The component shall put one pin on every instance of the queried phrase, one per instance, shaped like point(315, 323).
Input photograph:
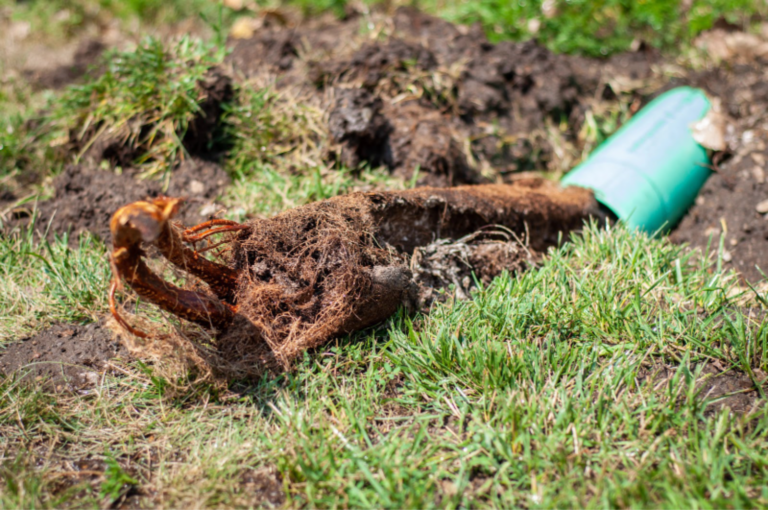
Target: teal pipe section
point(649, 172)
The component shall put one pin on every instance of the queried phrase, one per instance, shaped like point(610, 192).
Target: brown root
point(336, 266)
point(148, 222)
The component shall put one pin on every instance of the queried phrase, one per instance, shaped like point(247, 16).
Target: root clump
point(336, 266)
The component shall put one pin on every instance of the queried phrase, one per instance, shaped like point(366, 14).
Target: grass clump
point(136, 109)
point(145, 100)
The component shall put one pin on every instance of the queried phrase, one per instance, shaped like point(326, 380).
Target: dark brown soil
point(729, 389)
point(728, 203)
point(64, 357)
point(479, 257)
point(85, 200)
point(411, 100)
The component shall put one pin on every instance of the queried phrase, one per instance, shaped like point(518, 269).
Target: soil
point(64, 357)
point(719, 386)
point(263, 486)
point(85, 200)
point(728, 204)
point(411, 99)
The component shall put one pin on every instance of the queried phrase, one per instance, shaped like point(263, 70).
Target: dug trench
point(438, 101)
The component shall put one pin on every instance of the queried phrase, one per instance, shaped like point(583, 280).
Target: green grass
point(537, 393)
point(46, 282)
point(546, 390)
point(600, 27)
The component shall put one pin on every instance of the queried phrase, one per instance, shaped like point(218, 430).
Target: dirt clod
point(64, 357)
point(356, 122)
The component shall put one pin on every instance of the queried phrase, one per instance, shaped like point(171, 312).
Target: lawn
point(620, 370)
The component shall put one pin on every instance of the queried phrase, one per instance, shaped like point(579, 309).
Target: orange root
point(190, 238)
point(148, 222)
point(113, 309)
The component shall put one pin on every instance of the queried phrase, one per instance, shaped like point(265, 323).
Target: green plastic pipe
point(649, 172)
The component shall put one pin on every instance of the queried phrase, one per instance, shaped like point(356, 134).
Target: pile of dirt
point(85, 200)
point(733, 203)
point(412, 99)
point(339, 265)
point(64, 357)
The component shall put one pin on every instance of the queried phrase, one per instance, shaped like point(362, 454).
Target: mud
point(339, 265)
point(64, 357)
point(729, 203)
point(411, 100)
point(85, 200)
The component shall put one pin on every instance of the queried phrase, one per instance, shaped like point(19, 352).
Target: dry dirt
point(64, 357)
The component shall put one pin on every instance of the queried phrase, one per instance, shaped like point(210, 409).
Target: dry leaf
point(710, 131)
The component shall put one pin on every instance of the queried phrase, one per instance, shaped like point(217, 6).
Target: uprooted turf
point(605, 377)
